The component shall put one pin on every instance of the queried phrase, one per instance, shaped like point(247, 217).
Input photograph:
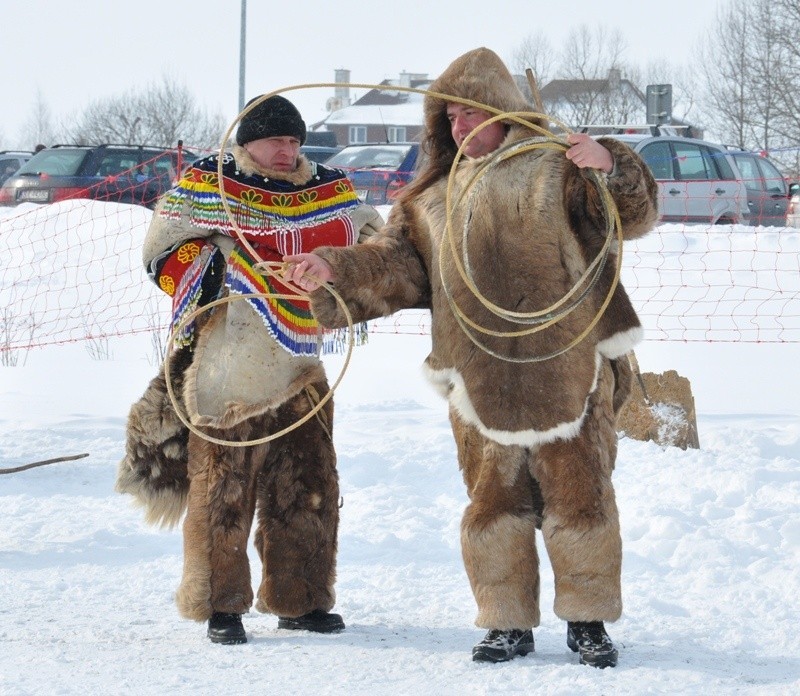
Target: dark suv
point(767, 190)
point(120, 173)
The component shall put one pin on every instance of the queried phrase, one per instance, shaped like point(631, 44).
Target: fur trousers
point(569, 484)
point(292, 485)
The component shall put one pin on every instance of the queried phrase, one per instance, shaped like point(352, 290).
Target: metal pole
point(242, 41)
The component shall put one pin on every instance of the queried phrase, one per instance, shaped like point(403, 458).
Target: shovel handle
point(634, 363)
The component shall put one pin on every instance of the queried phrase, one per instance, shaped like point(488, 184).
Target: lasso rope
point(542, 318)
point(548, 316)
point(270, 268)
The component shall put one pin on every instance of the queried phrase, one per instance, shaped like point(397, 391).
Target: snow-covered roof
point(408, 114)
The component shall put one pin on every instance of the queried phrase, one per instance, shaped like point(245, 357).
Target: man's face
point(279, 153)
point(463, 120)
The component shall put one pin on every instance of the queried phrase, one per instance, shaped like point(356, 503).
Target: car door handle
point(719, 191)
point(674, 192)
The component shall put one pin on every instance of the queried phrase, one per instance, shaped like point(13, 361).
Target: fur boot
point(298, 512)
point(216, 571)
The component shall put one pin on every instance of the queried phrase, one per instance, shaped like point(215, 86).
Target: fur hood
point(480, 76)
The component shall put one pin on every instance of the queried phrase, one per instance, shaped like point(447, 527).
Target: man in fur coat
point(536, 439)
point(244, 370)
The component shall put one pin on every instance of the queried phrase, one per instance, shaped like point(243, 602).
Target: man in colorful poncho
point(243, 370)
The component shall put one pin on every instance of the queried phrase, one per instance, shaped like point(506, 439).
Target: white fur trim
point(449, 383)
point(620, 343)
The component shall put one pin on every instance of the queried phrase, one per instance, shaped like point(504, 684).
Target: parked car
point(11, 161)
point(793, 212)
point(319, 153)
point(697, 180)
point(135, 174)
point(767, 190)
point(378, 170)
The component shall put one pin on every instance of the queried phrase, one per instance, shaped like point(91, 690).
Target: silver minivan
point(697, 180)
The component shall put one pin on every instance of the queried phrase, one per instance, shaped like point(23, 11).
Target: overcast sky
point(72, 53)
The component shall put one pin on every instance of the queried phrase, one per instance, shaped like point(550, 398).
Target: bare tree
point(723, 60)
point(535, 52)
point(161, 115)
point(39, 127)
point(751, 65)
point(589, 55)
point(786, 20)
point(591, 86)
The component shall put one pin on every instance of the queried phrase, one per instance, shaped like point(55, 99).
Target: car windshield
point(749, 171)
point(370, 157)
point(54, 162)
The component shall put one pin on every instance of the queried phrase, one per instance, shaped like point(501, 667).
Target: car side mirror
point(794, 189)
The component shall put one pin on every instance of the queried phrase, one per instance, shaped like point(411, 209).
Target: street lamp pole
point(242, 41)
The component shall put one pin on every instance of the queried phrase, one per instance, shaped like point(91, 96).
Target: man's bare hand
point(307, 271)
point(587, 152)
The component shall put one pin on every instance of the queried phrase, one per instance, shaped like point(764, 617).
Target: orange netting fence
point(72, 271)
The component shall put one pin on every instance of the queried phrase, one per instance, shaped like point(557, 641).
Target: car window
point(692, 162)
point(369, 157)
point(658, 157)
point(55, 162)
point(116, 162)
point(319, 153)
point(163, 165)
point(751, 175)
point(773, 179)
point(8, 166)
point(723, 166)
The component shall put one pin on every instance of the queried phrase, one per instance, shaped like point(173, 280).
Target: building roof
point(556, 90)
point(388, 96)
point(383, 106)
point(408, 114)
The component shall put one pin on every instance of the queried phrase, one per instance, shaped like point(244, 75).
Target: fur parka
point(532, 225)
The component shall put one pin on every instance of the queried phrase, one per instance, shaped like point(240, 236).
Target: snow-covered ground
point(711, 538)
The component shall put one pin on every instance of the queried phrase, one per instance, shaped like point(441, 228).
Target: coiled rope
point(544, 318)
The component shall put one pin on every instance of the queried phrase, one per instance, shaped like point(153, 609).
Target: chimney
point(342, 93)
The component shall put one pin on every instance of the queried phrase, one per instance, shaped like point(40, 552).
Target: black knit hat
point(274, 117)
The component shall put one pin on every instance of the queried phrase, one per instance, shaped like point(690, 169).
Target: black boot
point(590, 640)
point(499, 645)
point(318, 621)
point(226, 628)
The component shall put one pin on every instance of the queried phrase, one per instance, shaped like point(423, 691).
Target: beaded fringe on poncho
point(276, 218)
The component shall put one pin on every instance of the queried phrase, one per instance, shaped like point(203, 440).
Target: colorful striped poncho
point(277, 218)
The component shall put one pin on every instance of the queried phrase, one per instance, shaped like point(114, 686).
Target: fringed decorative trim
point(289, 322)
point(188, 292)
point(278, 218)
